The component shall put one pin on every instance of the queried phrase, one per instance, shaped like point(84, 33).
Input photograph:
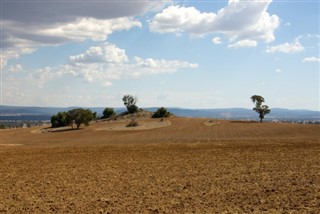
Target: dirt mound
point(141, 114)
point(143, 124)
point(211, 122)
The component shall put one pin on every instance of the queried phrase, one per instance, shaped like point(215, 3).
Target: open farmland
point(185, 166)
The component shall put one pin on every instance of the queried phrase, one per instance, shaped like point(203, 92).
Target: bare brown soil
point(191, 166)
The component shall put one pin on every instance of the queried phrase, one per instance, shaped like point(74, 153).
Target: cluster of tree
point(84, 116)
point(75, 116)
point(2, 126)
point(129, 102)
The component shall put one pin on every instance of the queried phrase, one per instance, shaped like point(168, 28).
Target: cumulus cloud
point(28, 25)
point(243, 44)
point(311, 59)
point(216, 40)
point(293, 47)
point(15, 68)
point(239, 20)
point(100, 54)
point(105, 63)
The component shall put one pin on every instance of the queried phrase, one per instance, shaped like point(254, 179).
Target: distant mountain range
point(45, 113)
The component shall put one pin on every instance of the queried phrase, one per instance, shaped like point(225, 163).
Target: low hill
point(181, 130)
point(44, 113)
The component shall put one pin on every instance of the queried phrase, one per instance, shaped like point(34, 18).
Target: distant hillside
point(45, 113)
point(248, 114)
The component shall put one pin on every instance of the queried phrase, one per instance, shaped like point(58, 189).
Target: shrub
point(108, 112)
point(161, 112)
point(60, 119)
point(133, 123)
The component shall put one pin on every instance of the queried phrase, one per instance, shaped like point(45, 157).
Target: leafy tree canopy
point(262, 110)
point(60, 119)
point(108, 112)
point(79, 116)
point(76, 116)
point(130, 102)
point(161, 112)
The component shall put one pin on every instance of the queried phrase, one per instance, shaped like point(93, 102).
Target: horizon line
point(187, 108)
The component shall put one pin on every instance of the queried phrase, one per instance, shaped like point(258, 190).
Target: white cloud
point(311, 59)
point(15, 68)
point(278, 70)
point(239, 20)
point(79, 30)
point(86, 28)
point(41, 76)
point(28, 25)
point(105, 63)
point(107, 84)
point(216, 40)
point(106, 53)
point(294, 47)
point(243, 44)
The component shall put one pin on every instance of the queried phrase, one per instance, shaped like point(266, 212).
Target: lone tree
point(80, 115)
point(260, 109)
point(130, 102)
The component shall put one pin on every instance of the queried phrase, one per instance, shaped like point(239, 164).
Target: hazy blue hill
point(45, 113)
point(29, 110)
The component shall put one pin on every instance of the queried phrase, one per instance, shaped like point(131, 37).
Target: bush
point(161, 112)
point(60, 119)
point(108, 112)
point(133, 123)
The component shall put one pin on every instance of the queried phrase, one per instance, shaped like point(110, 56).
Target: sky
point(188, 54)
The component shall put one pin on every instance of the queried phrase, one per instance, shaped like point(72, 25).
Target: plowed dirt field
point(186, 166)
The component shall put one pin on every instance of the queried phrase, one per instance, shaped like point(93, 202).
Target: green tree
point(262, 110)
point(60, 119)
point(161, 112)
point(79, 116)
point(130, 102)
point(108, 112)
point(2, 126)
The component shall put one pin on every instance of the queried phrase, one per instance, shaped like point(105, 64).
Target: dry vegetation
point(190, 166)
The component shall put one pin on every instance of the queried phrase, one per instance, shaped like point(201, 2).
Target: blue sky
point(191, 54)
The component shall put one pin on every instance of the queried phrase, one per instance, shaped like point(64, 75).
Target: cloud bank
point(105, 63)
point(239, 21)
point(28, 25)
